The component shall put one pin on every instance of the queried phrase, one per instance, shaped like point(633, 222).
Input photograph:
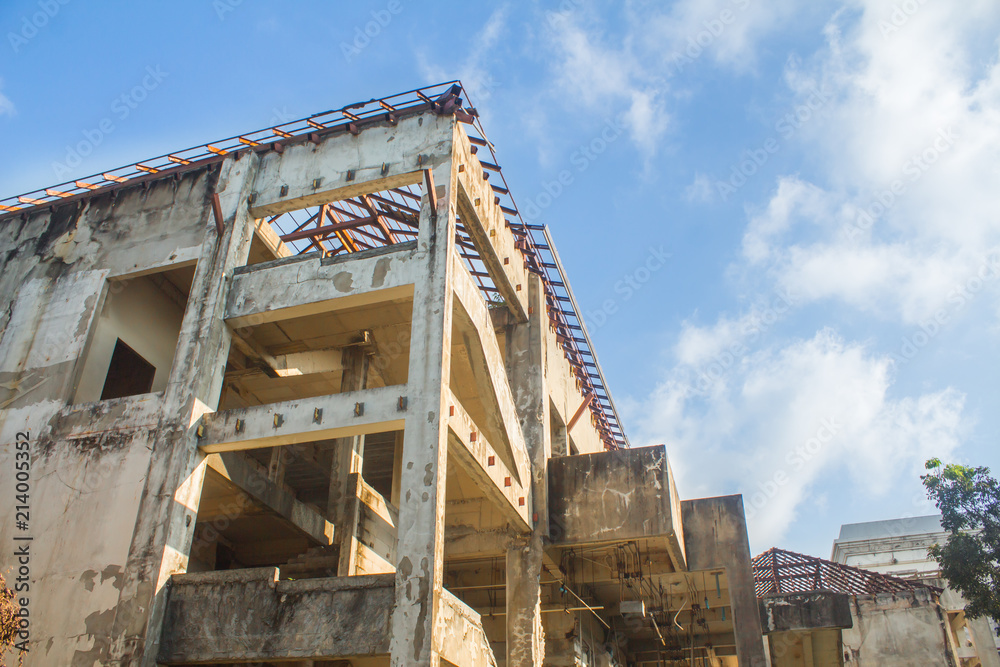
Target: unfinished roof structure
point(777, 571)
point(316, 395)
point(818, 612)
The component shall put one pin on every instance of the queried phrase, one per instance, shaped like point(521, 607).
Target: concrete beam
point(486, 225)
point(488, 369)
point(238, 470)
point(301, 286)
point(305, 420)
point(479, 459)
point(343, 165)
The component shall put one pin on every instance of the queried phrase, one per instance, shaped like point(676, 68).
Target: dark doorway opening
point(128, 374)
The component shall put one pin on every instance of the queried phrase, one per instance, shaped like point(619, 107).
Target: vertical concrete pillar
point(526, 370)
point(348, 458)
point(420, 544)
point(168, 508)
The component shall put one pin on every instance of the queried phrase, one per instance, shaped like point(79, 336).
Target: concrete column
point(420, 545)
point(715, 536)
point(348, 458)
point(525, 368)
point(168, 508)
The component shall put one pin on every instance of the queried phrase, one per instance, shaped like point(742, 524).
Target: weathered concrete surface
point(460, 638)
point(290, 422)
point(481, 462)
point(311, 285)
point(983, 646)
point(805, 611)
point(164, 527)
point(525, 645)
point(420, 545)
point(896, 630)
point(475, 325)
point(107, 548)
point(315, 174)
point(613, 496)
point(240, 471)
point(715, 536)
point(89, 461)
point(248, 615)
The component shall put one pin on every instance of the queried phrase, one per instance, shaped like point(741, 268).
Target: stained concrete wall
point(275, 620)
point(89, 461)
point(805, 611)
point(615, 495)
point(897, 630)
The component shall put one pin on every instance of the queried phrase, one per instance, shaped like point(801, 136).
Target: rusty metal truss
point(382, 218)
point(777, 571)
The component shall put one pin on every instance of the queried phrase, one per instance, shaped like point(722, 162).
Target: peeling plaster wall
point(89, 461)
point(896, 630)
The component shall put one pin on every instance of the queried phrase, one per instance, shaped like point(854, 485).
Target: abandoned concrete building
point(817, 612)
point(899, 547)
point(316, 395)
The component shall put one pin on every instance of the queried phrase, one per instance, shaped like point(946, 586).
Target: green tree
point(969, 500)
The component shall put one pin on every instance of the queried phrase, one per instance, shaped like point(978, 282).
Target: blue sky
point(822, 175)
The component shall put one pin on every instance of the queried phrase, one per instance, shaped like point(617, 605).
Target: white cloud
point(787, 418)
point(628, 73)
point(903, 208)
point(728, 31)
point(607, 80)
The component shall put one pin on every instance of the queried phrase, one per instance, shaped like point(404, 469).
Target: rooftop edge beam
point(343, 165)
point(486, 225)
